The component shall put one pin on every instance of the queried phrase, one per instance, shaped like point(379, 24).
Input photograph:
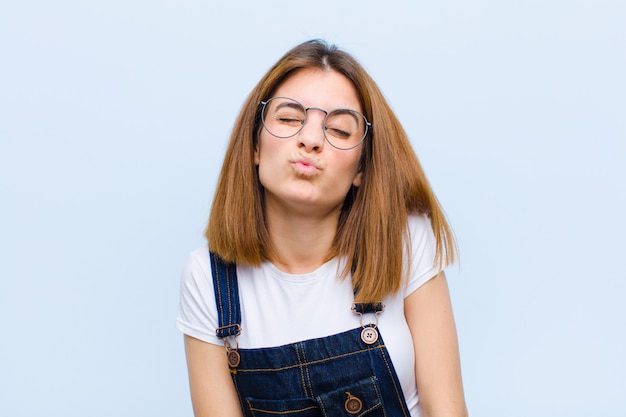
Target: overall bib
point(346, 374)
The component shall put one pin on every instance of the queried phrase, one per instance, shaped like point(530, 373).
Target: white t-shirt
point(279, 308)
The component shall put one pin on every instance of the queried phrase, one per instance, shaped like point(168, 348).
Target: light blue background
point(114, 117)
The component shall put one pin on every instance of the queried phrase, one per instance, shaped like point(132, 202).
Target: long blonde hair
point(372, 227)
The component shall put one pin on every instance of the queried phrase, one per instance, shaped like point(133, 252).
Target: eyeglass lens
point(284, 117)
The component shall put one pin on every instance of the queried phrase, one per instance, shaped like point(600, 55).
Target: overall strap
point(368, 307)
point(226, 296)
point(369, 334)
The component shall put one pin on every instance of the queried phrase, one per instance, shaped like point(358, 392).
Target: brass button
point(233, 358)
point(369, 335)
point(353, 405)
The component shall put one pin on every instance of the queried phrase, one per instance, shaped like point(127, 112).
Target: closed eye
point(289, 120)
point(338, 133)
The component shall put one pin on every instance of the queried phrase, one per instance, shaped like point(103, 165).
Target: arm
point(212, 391)
point(437, 365)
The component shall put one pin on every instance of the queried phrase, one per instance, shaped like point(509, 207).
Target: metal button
point(369, 335)
point(233, 358)
point(353, 405)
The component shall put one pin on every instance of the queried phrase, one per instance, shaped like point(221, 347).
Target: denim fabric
point(338, 375)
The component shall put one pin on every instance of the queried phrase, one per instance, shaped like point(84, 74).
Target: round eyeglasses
point(285, 117)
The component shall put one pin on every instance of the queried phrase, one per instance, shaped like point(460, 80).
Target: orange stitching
point(321, 404)
point(250, 408)
point(380, 401)
point(308, 375)
point(395, 387)
point(230, 308)
point(301, 372)
point(217, 282)
point(312, 407)
point(313, 362)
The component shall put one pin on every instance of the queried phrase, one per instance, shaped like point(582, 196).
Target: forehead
point(319, 88)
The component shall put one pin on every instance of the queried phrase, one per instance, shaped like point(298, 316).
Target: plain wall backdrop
point(114, 117)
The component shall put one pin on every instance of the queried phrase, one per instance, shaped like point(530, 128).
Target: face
point(304, 173)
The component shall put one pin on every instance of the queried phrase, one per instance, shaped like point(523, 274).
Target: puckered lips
point(305, 166)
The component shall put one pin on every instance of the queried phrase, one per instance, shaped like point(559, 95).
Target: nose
point(311, 137)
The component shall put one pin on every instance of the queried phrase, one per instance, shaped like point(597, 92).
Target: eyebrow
point(289, 104)
point(297, 105)
point(358, 120)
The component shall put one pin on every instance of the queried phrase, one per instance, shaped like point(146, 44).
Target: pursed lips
point(304, 165)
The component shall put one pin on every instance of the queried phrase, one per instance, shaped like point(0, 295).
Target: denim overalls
point(346, 374)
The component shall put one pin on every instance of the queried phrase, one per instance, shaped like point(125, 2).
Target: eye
point(342, 124)
point(288, 116)
point(289, 120)
point(338, 133)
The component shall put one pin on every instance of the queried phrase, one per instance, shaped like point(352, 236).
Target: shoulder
point(422, 249)
point(420, 230)
point(200, 255)
point(417, 221)
point(197, 268)
point(197, 313)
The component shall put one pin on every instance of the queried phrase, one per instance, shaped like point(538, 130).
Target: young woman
point(321, 291)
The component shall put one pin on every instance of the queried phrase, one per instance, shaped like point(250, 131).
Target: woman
point(321, 292)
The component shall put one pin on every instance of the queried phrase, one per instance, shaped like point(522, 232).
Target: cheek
point(257, 157)
point(265, 158)
point(355, 168)
point(261, 149)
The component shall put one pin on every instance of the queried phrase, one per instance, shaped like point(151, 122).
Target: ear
point(257, 157)
point(358, 179)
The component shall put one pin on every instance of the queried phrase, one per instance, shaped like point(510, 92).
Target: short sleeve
point(197, 312)
point(422, 253)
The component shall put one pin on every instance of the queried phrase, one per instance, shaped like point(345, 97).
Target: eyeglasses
point(285, 117)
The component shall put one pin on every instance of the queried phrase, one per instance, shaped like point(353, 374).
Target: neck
point(302, 243)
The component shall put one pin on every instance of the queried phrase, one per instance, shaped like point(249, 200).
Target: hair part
point(372, 229)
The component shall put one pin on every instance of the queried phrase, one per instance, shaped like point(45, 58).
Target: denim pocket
point(286, 408)
point(362, 398)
